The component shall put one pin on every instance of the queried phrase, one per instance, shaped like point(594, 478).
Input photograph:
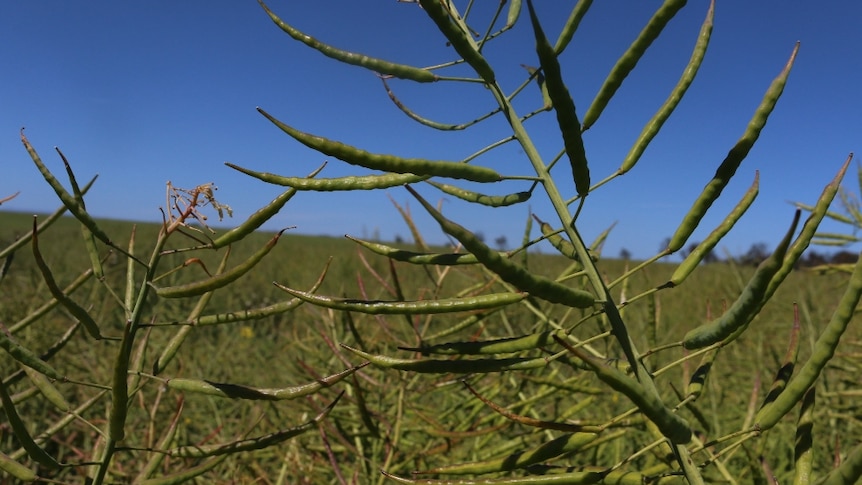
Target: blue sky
point(146, 92)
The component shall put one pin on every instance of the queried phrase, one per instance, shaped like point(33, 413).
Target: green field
point(399, 421)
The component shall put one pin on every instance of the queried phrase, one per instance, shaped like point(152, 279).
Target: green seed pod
point(562, 245)
point(420, 307)
point(491, 347)
point(461, 41)
point(120, 388)
point(543, 87)
point(388, 163)
point(167, 438)
point(258, 218)
point(368, 182)
point(697, 383)
point(671, 425)
point(251, 444)
point(465, 323)
point(848, 471)
point(803, 453)
point(657, 121)
point(564, 107)
point(731, 162)
point(745, 308)
point(89, 238)
point(235, 391)
point(47, 389)
point(19, 428)
point(821, 354)
point(513, 13)
point(786, 371)
point(809, 229)
point(510, 272)
point(28, 357)
point(186, 474)
point(17, 470)
point(488, 200)
point(441, 259)
point(377, 65)
point(46, 222)
point(220, 280)
point(572, 23)
point(69, 201)
point(695, 257)
point(76, 310)
point(630, 58)
point(475, 366)
point(565, 444)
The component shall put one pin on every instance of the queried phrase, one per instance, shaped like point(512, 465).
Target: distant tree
point(709, 257)
point(813, 258)
point(844, 257)
point(399, 239)
point(480, 236)
point(625, 254)
point(501, 242)
point(755, 254)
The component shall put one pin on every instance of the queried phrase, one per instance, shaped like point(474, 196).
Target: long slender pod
point(220, 280)
point(38, 313)
point(25, 239)
point(803, 453)
point(17, 470)
point(466, 366)
point(822, 353)
point(419, 307)
point(809, 228)
point(583, 476)
point(250, 444)
point(488, 200)
point(387, 163)
point(442, 13)
point(167, 438)
point(747, 305)
point(89, 238)
point(785, 372)
point(512, 273)
point(571, 25)
point(257, 219)
point(76, 310)
point(413, 257)
point(848, 471)
point(19, 428)
point(671, 425)
point(733, 159)
point(627, 62)
point(491, 347)
point(365, 182)
point(381, 66)
point(655, 123)
point(186, 474)
point(695, 257)
point(69, 201)
point(513, 13)
point(236, 391)
point(567, 443)
point(563, 105)
point(254, 313)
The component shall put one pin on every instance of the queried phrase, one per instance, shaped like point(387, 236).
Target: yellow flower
point(246, 332)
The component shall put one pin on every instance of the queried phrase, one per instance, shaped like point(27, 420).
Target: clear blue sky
point(146, 92)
